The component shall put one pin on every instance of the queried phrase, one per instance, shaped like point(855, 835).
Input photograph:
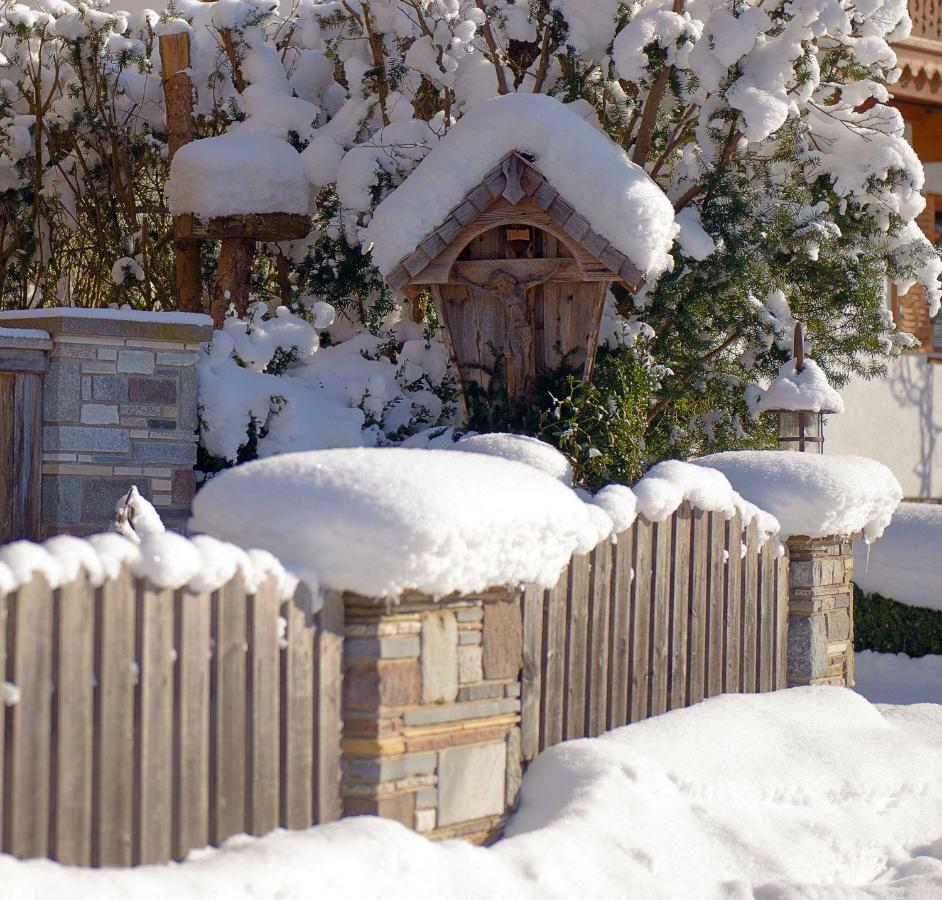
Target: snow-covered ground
point(803, 793)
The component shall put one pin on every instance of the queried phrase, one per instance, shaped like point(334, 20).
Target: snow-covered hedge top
point(591, 173)
point(811, 494)
point(168, 560)
point(382, 521)
point(237, 173)
point(808, 390)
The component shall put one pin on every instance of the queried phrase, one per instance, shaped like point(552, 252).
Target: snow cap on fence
point(814, 495)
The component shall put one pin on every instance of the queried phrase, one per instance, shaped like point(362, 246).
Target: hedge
point(887, 626)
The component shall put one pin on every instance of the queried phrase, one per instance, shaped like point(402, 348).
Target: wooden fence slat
point(153, 807)
point(732, 632)
point(716, 616)
point(663, 534)
point(679, 608)
point(113, 778)
point(3, 676)
point(329, 722)
point(191, 723)
point(577, 645)
point(532, 672)
point(227, 712)
point(72, 724)
point(7, 463)
point(620, 630)
point(29, 668)
point(781, 625)
point(767, 618)
point(750, 623)
point(697, 623)
point(263, 697)
point(600, 592)
point(298, 699)
point(554, 662)
point(640, 661)
point(27, 441)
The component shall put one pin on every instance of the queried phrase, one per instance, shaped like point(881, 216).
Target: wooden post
point(178, 101)
point(233, 275)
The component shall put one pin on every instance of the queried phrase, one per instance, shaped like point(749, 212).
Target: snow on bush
point(810, 792)
point(812, 494)
point(561, 143)
point(906, 563)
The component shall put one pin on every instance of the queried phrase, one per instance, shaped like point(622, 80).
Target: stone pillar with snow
point(119, 408)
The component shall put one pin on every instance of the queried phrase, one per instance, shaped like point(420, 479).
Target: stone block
point(807, 649)
point(162, 424)
point(466, 638)
point(375, 771)
point(470, 665)
point(838, 626)
point(474, 614)
point(170, 452)
point(455, 712)
point(400, 807)
point(471, 782)
point(61, 499)
point(425, 820)
point(62, 391)
point(439, 657)
point(99, 367)
point(514, 779)
point(485, 691)
point(176, 358)
point(99, 414)
point(369, 684)
point(140, 362)
point(382, 648)
point(427, 798)
point(183, 486)
point(503, 639)
point(109, 387)
point(88, 438)
point(189, 398)
point(152, 390)
point(100, 495)
point(108, 353)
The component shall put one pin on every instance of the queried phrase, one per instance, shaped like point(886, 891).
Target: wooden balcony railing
point(927, 18)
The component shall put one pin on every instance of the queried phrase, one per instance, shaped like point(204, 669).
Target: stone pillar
point(119, 408)
point(431, 710)
point(820, 611)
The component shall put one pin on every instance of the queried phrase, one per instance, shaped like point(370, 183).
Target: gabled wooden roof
point(515, 181)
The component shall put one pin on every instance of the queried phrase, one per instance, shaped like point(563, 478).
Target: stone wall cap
point(25, 338)
point(118, 323)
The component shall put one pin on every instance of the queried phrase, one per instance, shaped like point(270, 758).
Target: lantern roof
point(795, 389)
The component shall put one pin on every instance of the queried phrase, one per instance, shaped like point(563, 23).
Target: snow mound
point(591, 173)
point(808, 389)
point(671, 483)
point(268, 171)
point(906, 564)
point(811, 494)
point(519, 447)
point(382, 521)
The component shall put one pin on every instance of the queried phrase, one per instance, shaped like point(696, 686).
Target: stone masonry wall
point(432, 711)
point(119, 409)
point(820, 611)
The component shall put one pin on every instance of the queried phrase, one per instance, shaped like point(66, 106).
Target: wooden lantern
point(518, 279)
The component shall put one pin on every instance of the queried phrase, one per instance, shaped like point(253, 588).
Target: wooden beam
point(233, 276)
point(258, 226)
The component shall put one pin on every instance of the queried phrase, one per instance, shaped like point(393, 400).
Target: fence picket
point(600, 591)
point(716, 615)
point(554, 662)
point(640, 665)
point(298, 700)
point(577, 615)
point(619, 642)
point(767, 618)
point(732, 631)
point(72, 723)
point(663, 534)
point(679, 608)
point(3, 675)
point(113, 777)
point(697, 624)
point(750, 623)
point(329, 668)
point(781, 626)
point(532, 687)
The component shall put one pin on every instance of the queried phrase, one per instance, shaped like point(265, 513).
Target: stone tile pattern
point(118, 410)
point(820, 611)
point(429, 740)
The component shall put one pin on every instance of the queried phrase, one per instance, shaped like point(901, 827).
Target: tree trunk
point(233, 277)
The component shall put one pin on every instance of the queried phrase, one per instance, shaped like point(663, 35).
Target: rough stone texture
point(820, 612)
point(471, 782)
point(502, 640)
point(139, 361)
point(109, 387)
point(61, 391)
point(99, 414)
point(439, 658)
point(470, 665)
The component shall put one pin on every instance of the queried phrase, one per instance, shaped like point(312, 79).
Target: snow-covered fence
point(143, 721)
point(673, 612)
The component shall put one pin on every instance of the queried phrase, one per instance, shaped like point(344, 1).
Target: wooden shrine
point(518, 279)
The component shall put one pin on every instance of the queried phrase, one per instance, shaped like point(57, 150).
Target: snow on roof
point(126, 315)
point(594, 175)
point(811, 494)
point(32, 334)
point(237, 173)
point(805, 390)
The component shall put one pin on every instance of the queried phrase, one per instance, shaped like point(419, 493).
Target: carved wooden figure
point(518, 278)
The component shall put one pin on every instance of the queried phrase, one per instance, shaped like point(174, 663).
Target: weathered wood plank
point(554, 662)
point(28, 739)
point(600, 593)
point(640, 664)
point(716, 616)
point(767, 617)
point(113, 787)
point(532, 679)
point(699, 602)
point(580, 575)
point(750, 621)
point(73, 723)
point(732, 633)
point(7, 466)
point(191, 723)
point(27, 450)
point(680, 608)
point(3, 675)
point(263, 696)
point(501, 639)
point(781, 624)
point(227, 712)
point(298, 699)
point(153, 713)
point(663, 534)
point(329, 722)
point(620, 630)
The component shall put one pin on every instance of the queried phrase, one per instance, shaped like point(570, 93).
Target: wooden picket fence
point(671, 613)
point(151, 722)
